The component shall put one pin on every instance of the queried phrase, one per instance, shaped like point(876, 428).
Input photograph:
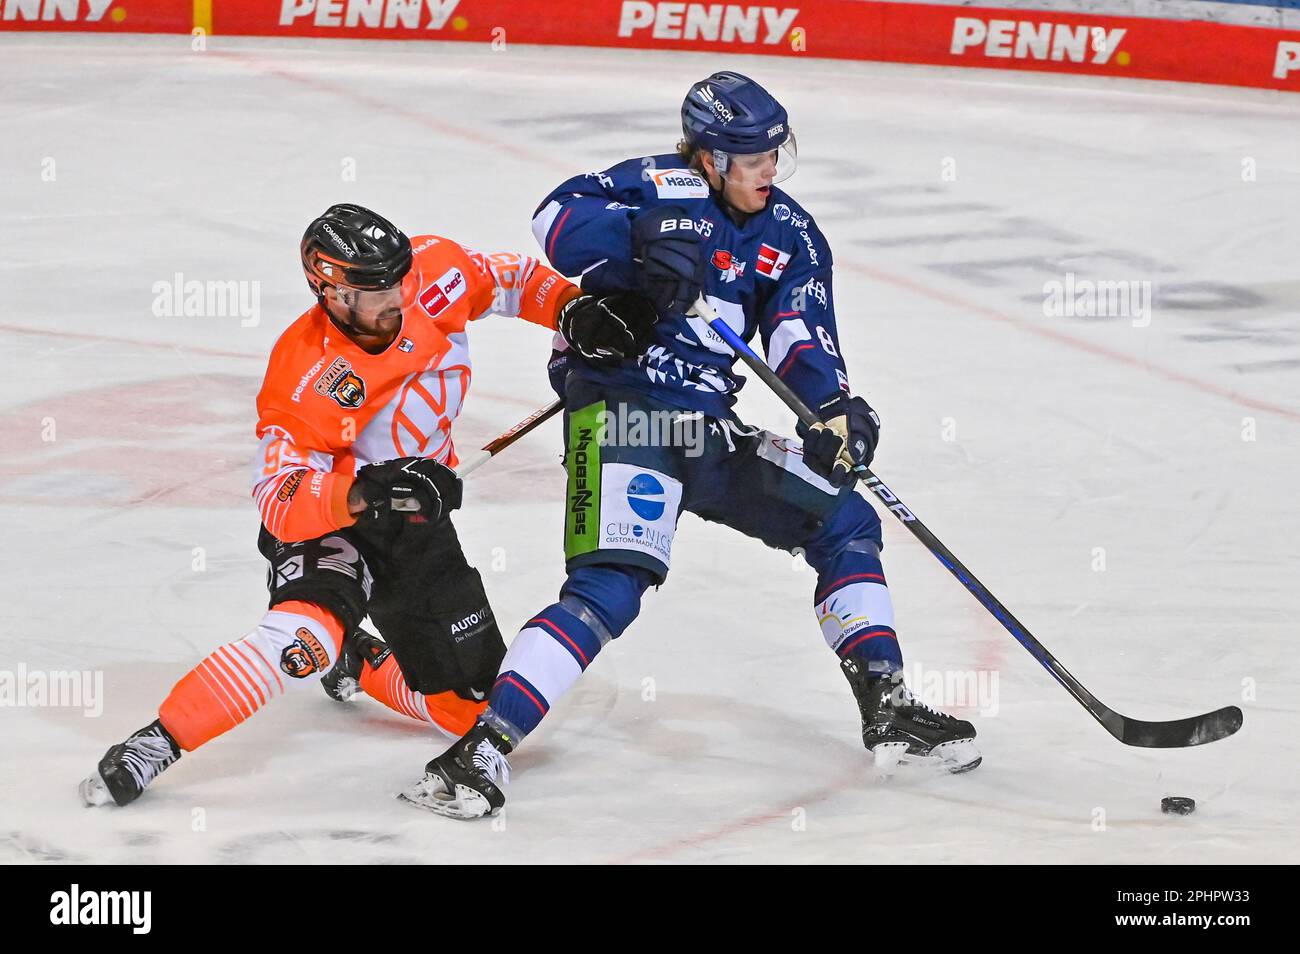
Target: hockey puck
point(1177, 805)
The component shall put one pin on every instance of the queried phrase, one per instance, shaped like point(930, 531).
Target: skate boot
point(462, 782)
point(899, 727)
point(344, 681)
point(127, 768)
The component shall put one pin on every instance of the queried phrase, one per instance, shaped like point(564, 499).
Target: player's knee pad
point(607, 597)
point(294, 643)
point(852, 525)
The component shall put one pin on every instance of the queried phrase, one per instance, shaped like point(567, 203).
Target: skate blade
point(954, 757)
point(94, 792)
point(887, 756)
point(429, 794)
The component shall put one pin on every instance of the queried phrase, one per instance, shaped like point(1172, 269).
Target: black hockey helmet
point(351, 246)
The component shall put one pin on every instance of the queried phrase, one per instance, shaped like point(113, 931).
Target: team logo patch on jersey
point(727, 263)
point(406, 345)
point(341, 383)
point(304, 656)
point(679, 184)
point(771, 262)
point(290, 486)
point(439, 296)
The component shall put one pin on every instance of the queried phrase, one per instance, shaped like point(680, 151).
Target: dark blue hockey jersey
point(771, 276)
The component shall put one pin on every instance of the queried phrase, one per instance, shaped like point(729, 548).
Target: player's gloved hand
point(607, 329)
point(416, 488)
point(666, 252)
point(845, 437)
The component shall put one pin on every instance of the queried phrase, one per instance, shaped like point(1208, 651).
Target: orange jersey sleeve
point(519, 286)
point(301, 480)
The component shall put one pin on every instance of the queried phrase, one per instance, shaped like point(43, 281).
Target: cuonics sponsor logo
point(373, 14)
point(715, 22)
point(1022, 39)
point(645, 495)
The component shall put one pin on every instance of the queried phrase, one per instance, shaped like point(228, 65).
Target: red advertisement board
point(106, 16)
point(1069, 42)
point(1192, 51)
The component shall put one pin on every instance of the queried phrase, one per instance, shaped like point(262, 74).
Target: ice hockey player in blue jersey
point(650, 431)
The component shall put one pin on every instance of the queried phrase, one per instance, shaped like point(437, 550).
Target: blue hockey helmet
point(732, 116)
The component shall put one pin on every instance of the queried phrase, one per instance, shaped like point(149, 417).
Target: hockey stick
point(497, 445)
point(1179, 733)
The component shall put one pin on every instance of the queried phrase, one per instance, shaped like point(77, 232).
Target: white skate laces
point(144, 756)
point(492, 762)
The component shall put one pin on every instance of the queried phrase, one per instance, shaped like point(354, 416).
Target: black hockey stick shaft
point(498, 444)
point(1176, 734)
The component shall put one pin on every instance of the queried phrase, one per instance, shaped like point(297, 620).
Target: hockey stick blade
point(1178, 734)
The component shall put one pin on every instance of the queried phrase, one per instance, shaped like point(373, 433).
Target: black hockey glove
point(846, 422)
point(666, 252)
point(608, 329)
point(417, 488)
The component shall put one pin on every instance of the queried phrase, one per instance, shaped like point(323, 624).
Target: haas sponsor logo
point(372, 14)
point(725, 22)
point(304, 656)
point(1022, 39)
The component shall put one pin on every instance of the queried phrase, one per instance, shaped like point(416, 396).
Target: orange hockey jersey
point(328, 408)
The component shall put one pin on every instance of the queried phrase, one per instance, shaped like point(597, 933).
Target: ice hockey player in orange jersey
point(354, 483)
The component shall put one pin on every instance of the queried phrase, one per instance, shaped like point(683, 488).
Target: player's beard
point(372, 335)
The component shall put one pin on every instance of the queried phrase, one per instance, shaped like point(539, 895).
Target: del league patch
point(439, 296)
point(771, 262)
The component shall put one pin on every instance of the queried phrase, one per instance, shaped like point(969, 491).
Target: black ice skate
point(899, 727)
point(359, 648)
point(128, 767)
point(462, 782)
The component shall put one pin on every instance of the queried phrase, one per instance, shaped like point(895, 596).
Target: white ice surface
point(1070, 435)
